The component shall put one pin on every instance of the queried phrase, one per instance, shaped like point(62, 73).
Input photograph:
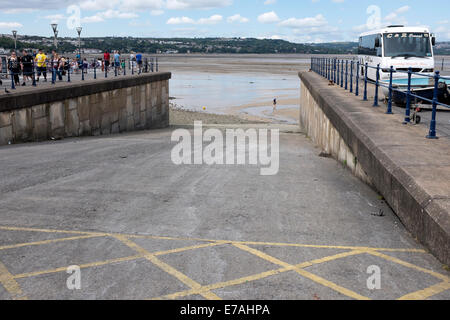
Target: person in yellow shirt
point(41, 62)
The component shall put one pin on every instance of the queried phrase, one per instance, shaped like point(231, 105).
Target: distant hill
point(190, 45)
point(442, 48)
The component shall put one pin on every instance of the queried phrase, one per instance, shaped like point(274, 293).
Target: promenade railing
point(93, 69)
point(346, 74)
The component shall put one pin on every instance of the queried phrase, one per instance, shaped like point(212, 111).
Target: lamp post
point(79, 29)
point(55, 32)
point(14, 32)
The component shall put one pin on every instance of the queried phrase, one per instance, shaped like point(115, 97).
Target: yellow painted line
point(167, 268)
point(409, 265)
point(37, 243)
point(215, 241)
point(82, 266)
point(137, 236)
point(275, 244)
point(222, 285)
point(428, 292)
point(258, 276)
point(111, 261)
point(304, 273)
point(263, 255)
point(329, 258)
point(10, 284)
point(331, 285)
point(49, 230)
point(178, 250)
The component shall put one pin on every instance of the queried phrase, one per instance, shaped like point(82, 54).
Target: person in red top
point(106, 58)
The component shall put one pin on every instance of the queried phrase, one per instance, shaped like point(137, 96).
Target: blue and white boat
point(421, 87)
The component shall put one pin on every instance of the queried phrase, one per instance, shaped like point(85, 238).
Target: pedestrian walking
point(133, 60)
point(274, 105)
point(107, 59)
point(27, 66)
point(139, 61)
point(74, 66)
point(117, 60)
point(41, 62)
point(85, 66)
point(56, 66)
point(14, 67)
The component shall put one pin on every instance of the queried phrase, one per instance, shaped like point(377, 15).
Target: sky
point(300, 21)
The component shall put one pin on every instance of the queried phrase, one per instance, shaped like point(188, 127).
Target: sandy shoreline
point(180, 117)
point(259, 108)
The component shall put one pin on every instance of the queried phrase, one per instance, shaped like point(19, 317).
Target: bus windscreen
point(407, 45)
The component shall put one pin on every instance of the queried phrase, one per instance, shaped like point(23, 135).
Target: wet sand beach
point(241, 86)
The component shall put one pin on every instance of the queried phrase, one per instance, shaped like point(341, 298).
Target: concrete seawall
point(90, 108)
point(409, 171)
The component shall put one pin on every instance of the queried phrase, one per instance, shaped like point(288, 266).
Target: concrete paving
point(442, 117)
point(141, 227)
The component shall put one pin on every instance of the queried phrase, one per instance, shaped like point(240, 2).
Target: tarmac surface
point(141, 227)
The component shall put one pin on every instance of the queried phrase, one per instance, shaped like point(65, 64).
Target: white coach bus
point(397, 46)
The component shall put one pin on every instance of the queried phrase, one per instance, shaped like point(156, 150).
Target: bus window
point(367, 45)
point(407, 45)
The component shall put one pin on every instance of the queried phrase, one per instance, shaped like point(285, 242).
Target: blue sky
point(298, 21)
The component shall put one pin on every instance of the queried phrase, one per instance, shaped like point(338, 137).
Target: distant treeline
point(194, 45)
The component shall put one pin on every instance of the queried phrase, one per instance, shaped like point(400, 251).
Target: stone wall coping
point(411, 172)
point(37, 96)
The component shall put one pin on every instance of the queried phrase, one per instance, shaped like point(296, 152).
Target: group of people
point(37, 64)
point(23, 64)
point(115, 60)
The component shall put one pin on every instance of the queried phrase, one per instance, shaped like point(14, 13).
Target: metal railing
point(341, 72)
point(66, 73)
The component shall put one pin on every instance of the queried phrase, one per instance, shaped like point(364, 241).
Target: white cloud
point(211, 20)
point(268, 17)
point(316, 21)
point(95, 5)
point(17, 10)
point(181, 20)
point(109, 14)
point(55, 18)
point(269, 2)
point(157, 12)
point(395, 16)
point(10, 25)
point(214, 19)
point(237, 18)
point(196, 4)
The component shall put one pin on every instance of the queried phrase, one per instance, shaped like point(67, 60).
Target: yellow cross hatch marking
point(46, 230)
point(167, 268)
point(10, 284)
point(409, 265)
point(82, 266)
point(255, 277)
point(95, 233)
point(8, 280)
point(428, 292)
point(37, 243)
point(304, 273)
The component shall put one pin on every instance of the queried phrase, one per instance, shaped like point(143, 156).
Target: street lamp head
point(79, 29)
point(54, 26)
point(14, 32)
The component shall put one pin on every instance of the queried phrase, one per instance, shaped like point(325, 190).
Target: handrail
point(68, 71)
point(336, 70)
